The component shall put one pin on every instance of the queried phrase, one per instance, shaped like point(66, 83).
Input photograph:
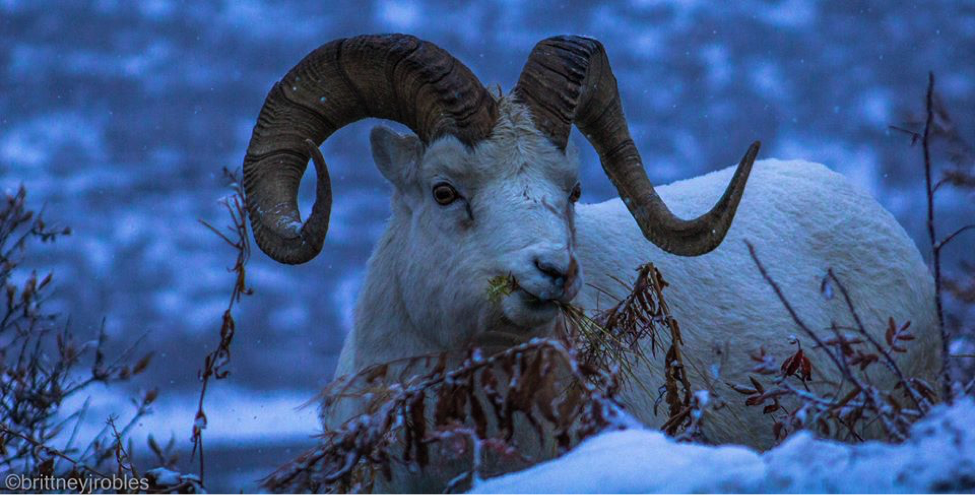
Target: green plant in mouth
point(500, 287)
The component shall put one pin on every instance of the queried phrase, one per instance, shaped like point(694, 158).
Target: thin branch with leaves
point(215, 363)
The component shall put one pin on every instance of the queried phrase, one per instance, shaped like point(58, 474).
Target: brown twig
point(216, 361)
point(941, 244)
point(891, 364)
point(39, 360)
point(896, 422)
point(519, 379)
point(933, 238)
point(52, 451)
point(792, 312)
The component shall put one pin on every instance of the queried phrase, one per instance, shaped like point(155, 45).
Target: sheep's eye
point(576, 192)
point(445, 193)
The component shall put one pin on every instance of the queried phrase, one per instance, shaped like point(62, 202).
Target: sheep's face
point(470, 216)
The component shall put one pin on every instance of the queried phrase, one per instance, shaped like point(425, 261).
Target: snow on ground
point(939, 457)
point(237, 416)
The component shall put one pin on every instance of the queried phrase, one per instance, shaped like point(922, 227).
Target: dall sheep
point(488, 186)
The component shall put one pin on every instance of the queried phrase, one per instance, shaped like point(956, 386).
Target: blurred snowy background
point(120, 115)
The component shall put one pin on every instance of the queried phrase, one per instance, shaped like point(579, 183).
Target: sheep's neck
point(384, 330)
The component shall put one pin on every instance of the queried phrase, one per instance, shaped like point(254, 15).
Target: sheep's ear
point(396, 155)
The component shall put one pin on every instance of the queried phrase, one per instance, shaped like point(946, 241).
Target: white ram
point(488, 185)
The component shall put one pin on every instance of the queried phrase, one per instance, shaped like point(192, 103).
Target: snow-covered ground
point(939, 457)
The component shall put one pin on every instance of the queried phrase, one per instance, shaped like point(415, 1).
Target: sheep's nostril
point(551, 271)
point(563, 278)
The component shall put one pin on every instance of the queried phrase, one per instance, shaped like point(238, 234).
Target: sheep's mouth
point(528, 300)
point(533, 302)
point(521, 310)
point(506, 290)
point(528, 311)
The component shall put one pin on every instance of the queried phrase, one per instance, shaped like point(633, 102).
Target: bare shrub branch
point(214, 365)
point(40, 367)
point(404, 418)
point(852, 405)
point(938, 127)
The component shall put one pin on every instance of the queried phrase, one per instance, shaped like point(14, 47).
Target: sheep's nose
point(562, 275)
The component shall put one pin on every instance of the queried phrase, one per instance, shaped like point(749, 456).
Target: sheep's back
point(803, 219)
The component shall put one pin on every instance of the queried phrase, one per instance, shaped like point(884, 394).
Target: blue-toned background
point(120, 115)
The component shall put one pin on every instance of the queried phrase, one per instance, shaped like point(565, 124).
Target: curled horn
point(567, 80)
point(395, 77)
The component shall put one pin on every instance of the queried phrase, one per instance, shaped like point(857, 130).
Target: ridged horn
point(395, 77)
point(568, 80)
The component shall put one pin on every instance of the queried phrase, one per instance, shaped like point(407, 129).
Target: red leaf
point(867, 360)
point(786, 365)
point(741, 389)
point(806, 366)
point(757, 384)
point(791, 365)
